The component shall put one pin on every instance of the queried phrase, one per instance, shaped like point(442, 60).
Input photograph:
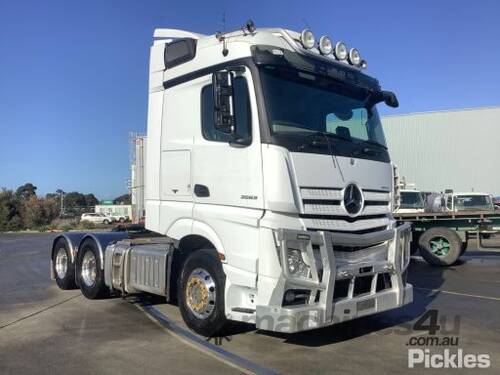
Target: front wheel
point(201, 293)
point(440, 246)
point(90, 275)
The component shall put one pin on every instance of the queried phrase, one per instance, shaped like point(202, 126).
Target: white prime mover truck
point(269, 188)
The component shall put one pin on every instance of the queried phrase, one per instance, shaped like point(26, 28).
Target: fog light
point(296, 297)
point(307, 38)
point(296, 264)
point(289, 297)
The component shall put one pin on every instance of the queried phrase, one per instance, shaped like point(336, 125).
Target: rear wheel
point(201, 293)
point(105, 221)
point(90, 276)
point(440, 246)
point(63, 267)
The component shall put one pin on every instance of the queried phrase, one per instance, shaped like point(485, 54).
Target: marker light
point(325, 45)
point(307, 38)
point(341, 51)
point(354, 57)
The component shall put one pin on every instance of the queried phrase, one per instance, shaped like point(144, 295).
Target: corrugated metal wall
point(457, 149)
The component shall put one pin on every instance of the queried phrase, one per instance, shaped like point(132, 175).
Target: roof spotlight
point(364, 64)
point(307, 38)
point(341, 51)
point(354, 57)
point(325, 45)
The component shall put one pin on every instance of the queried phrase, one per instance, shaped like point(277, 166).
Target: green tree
point(26, 191)
point(74, 199)
point(90, 200)
point(123, 199)
point(37, 212)
point(9, 213)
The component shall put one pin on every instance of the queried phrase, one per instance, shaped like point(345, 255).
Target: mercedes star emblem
point(353, 199)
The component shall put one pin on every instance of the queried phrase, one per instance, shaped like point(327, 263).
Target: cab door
point(226, 174)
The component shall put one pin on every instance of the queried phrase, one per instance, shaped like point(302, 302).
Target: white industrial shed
point(456, 149)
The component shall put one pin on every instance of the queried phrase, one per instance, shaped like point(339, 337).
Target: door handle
point(201, 191)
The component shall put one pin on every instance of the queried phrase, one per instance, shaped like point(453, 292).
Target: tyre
point(62, 266)
point(440, 246)
point(105, 221)
point(89, 274)
point(201, 293)
point(121, 220)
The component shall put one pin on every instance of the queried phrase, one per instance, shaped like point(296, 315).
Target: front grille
point(323, 210)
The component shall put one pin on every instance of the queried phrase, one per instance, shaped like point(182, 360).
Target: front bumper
point(342, 286)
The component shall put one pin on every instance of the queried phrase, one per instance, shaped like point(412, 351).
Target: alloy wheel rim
point(89, 269)
point(61, 263)
point(440, 246)
point(200, 293)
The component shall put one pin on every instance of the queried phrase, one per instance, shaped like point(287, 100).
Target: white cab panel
point(280, 186)
point(175, 174)
point(314, 170)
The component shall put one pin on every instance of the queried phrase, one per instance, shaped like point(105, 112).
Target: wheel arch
point(190, 236)
point(72, 239)
point(102, 240)
point(189, 232)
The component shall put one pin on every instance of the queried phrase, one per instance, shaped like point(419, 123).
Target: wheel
point(201, 293)
point(89, 275)
point(105, 221)
point(440, 246)
point(63, 267)
point(121, 220)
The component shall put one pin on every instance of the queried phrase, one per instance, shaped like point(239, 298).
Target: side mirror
point(224, 119)
point(390, 99)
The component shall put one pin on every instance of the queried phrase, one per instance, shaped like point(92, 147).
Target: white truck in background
point(269, 188)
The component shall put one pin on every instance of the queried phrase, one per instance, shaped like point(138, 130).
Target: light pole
point(61, 195)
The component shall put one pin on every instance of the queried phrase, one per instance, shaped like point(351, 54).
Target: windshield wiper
point(375, 143)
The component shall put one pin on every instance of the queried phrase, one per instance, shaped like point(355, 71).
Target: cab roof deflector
point(175, 34)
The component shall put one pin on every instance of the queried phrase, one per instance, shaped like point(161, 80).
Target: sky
point(73, 74)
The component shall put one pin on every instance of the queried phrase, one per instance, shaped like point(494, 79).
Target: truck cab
point(411, 201)
point(268, 169)
point(472, 201)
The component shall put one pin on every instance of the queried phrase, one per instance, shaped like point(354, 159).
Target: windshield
point(412, 199)
point(473, 202)
point(303, 103)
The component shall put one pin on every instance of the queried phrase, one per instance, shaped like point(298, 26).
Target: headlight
point(340, 51)
point(296, 265)
point(404, 249)
point(307, 38)
point(325, 45)
point(354, 57)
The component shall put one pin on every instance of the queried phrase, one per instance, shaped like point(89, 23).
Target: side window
point(241, 111)
point(448, 202)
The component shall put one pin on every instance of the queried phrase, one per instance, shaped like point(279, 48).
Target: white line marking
point(458, 294)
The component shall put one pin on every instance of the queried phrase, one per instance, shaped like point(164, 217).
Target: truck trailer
point(269, 188)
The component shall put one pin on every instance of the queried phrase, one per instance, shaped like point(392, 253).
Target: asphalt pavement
point(46, 330)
